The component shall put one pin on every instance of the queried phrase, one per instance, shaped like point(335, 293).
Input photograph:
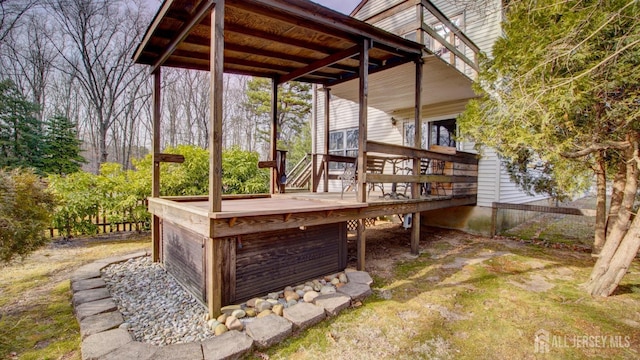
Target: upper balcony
point(425, 23)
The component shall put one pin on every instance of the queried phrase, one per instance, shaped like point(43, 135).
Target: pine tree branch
point(619, 145)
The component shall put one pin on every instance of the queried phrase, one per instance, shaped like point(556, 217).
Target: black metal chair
point(348, 179)
point(375, 165)
point(437, 168)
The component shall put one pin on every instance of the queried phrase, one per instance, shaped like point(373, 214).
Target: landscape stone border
point(102, 338)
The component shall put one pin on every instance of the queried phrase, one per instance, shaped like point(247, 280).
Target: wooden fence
point(103, 225)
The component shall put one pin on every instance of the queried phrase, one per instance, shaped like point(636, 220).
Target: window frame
point(346, 148)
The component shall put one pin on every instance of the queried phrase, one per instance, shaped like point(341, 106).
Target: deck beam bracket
point(168, 158)
point(287, 217)
point(232, 221)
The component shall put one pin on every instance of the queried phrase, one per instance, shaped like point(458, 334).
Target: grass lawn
point(36, 316)
point(469, 297)
point(464, 297)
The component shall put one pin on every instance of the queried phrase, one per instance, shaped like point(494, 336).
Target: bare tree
point(11, 12)
point(30, 57)
point(99, 38)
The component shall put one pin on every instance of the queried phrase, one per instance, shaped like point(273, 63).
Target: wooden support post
point(420, 19)
point(415, 191)
point(214, 270)
point(212, 255)
point(327, 117)
point(314, 139)
point(314, 172)
point(155, 180)
point(216, 107)
point(363, 98)
point(362, 244)
point(494, 220)
point(273, 187)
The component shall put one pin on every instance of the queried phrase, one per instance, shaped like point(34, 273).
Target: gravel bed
point(156, 309)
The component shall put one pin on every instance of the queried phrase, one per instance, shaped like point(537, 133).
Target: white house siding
point(481, 23)
point(399, 23)
point(374, 7)
point(343, 114)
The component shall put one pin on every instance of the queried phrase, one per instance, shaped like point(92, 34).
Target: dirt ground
point(388, 243)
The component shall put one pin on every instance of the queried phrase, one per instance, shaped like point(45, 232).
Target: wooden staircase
point(299, 177)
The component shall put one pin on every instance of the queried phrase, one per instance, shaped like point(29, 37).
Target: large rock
point(360, 277)
point(291, 295)
point(333, 303)
point(304, 315)
point(233, 323)
point(133, 350)
point(88, 284)
point(188, 351)
point(88, 271)
point(99, 323)
point(263, 305)
point(356, 291)
point(327, 289)
point(229, 309)
point(269, 330)
point(100, 344)
point(95, 307)
point(309, 296)
point(85, 296)
point(230, 345)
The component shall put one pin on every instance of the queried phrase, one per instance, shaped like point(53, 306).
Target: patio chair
point(375, 165)
point(348, 179)
point(425, 188)
point(437, 168)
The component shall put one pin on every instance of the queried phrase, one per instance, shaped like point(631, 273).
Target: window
point(440, 132)
point(443, 133)
point(409, 135)
point(343, 143)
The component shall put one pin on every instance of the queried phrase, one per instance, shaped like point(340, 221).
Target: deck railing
point(445, 39)
point(459, 178)
point(430, 26)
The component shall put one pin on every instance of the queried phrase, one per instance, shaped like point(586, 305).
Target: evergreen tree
point(561, 94)
point(62, 147)
point(21, 138)
point(294, 108)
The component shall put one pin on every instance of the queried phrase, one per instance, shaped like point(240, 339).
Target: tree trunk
point(601, 205)
point(619, 265)
point(617, 195)
point(613, 260)
point(102, 146)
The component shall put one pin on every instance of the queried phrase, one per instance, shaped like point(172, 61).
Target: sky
point(343, 6)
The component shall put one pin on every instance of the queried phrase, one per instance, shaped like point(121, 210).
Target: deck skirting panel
point(269, 261)
point(183, 257)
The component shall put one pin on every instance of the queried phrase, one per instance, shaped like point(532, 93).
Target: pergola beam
point(202, 11)
point(311, 68)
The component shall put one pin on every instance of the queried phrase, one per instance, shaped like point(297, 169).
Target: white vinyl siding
point(343, 114)
point(480, 21)
point(374, 7)
point(400, 23)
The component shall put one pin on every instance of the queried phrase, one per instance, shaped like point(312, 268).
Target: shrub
point(25, 213)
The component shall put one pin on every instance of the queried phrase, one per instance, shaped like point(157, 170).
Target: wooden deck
point(241, 216)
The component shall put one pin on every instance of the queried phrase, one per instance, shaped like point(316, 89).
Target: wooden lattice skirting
point(352, 225)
